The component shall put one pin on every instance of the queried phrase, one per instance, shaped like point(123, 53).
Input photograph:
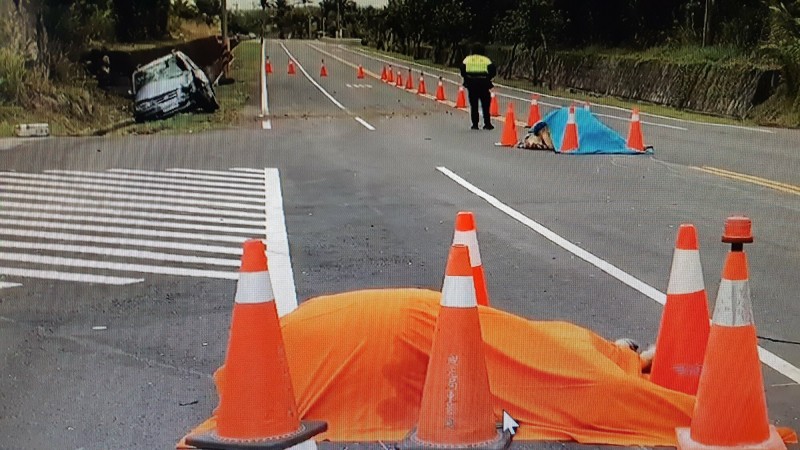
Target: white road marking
point(83, 187)
point(141, 198)
point(768, 358)
point(364, 122)
point(182, 176)
point(68, 237)
point(124, 230)
point(280, 262)
point(122, 212)
point(223, 173)
point(124, 267)
point(242, 191)
point(68, 276)
point(131, 222)
point(321, 89)
point(249, 170)
point(174, 180)
point(266, 124)
point(429, 70)
point(122, 253)
point(4, 285)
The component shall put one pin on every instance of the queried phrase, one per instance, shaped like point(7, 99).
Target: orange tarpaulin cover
point(358, 361)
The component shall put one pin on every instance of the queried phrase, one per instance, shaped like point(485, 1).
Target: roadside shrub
point(12, 76)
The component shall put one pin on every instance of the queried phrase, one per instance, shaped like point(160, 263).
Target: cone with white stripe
point(570, 140)
point(257, 407)
point(683, 335)
point(457, 410)
point(731, 409)
point(466, 232)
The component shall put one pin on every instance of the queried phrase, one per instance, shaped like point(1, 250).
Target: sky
point(246, 4)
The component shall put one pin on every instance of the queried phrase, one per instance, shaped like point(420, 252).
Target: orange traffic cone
point(570, 141)
point(467, 233)
point(635, 139)
point(409, 81)
point(268, 68)
point(399, 80)
point(533, 113)
point(291, 70)
point(509, 137)
point(461, 99)
point(384, 78)
point(456, 409)
point(421, 90)
point(360, 73)
point(731, 410)
point(494, 107)
point(257, 403)
point(440, 91)
point(683, 334)
point(323, 71)
point(390, 75)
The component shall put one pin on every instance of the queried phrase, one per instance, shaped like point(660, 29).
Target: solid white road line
point(248, 191)
point(142, 198)
point(321, 89)
point(768, 358)
point(280, 261)
point(267, 123)
point(78, 188)
point(123, 230)
point(68, 237)
point(124, 267)
point(173, 180)
point(130, 222)
point(122, 253)
point(4, 285)
point(155, 206)
point(429, 70)
point(68, 276)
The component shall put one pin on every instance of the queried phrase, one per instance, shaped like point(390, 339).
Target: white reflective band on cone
point(458, 292)
point(470, 239)
point(254, 287)
point(733, 308)
point(686, 276)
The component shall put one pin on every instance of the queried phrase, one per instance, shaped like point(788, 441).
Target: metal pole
point(338, 22)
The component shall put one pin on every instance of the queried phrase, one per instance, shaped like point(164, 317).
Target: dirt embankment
point(208, 53)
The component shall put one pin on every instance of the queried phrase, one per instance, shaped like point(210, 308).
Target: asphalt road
point(367, 203)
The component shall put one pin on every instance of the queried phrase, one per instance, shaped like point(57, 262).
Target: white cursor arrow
point(509, 424)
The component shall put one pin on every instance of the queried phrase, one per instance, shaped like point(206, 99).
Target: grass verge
point(648, 108)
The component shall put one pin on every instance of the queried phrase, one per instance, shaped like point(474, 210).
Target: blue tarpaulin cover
point(594, 137)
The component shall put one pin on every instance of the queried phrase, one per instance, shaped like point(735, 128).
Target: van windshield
point(170, 68)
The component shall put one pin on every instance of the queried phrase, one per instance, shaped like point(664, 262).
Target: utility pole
point(225, 41)
point(338, 22)
point(706, 22)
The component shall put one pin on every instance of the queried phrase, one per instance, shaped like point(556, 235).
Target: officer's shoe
point(488, 126)
point(474, 127)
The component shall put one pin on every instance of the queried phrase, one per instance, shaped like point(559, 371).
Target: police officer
point(478, 71)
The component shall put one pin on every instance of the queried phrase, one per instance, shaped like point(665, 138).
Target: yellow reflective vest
point(477, 64)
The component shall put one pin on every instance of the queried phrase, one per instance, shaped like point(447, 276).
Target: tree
point(209, 10)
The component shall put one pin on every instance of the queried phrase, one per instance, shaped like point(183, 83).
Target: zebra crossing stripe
point(124, 267)
point(126, 231)
point(79, 188)
point(184, 176)
point(54, 208)
point(122, 253)
point(220, 172)
point(68, 276)
point(67, 237)
point(102, 177)
point(4, 285)
point(156, 206)
point(143, 198)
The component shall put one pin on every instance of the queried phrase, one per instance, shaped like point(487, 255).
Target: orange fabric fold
point(358, 361)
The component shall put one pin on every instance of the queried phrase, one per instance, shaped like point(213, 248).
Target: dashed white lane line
point(770, 359)
point(280, 261)
point(4, 285)
point(266, 124)
point(321, 89)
